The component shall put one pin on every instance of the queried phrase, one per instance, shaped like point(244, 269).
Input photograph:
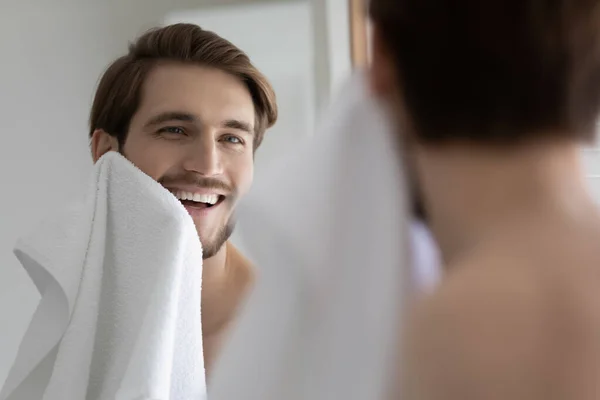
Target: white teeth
point(198, 198)
point(206, 198)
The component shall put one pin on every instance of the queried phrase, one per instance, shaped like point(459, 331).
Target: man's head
point(189, 109)
point(493, 73)
point(490, 72)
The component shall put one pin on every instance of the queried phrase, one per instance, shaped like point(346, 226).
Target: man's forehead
point(204, 93)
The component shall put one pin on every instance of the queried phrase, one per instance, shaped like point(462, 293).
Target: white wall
point(331, 43)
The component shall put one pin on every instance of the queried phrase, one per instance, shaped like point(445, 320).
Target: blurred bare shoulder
point(502, 328)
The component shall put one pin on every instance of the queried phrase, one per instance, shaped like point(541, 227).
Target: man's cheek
point(154, 166)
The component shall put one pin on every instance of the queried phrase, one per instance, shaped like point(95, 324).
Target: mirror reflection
point(201, 96)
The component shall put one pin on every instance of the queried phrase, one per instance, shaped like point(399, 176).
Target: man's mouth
point(197, 200)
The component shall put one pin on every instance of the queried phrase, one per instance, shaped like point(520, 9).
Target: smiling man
point(189, 109)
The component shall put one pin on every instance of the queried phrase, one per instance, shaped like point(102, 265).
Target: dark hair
point(119, 92)
point(495, 71)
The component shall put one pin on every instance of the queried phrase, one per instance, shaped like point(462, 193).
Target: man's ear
point(102, 143)
point(382, 74)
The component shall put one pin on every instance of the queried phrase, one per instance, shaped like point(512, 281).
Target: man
point(189, 109)
point(492, 100)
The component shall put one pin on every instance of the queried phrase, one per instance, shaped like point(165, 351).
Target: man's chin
point(212, 243)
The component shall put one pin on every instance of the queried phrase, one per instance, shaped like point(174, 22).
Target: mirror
point(54, 53)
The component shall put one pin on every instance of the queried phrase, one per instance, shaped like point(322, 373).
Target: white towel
point(119, 272)
point(329, 234)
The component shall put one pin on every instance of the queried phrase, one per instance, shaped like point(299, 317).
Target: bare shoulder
point(497, 329)
point(243, 269)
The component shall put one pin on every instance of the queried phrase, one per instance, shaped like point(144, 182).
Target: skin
point(517, 314)
point(194, 131)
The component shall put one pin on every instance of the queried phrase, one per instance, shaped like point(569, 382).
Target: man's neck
point(225, 280)
point(215, 266)
point(214, 287)
point(471, 192)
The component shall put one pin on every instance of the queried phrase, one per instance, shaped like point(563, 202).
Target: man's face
point(193, 133)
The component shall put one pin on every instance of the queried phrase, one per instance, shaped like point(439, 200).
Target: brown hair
point(495, 71)
point(119, 92)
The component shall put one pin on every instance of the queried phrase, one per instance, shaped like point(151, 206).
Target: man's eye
point(173, 129)
point(233, 139)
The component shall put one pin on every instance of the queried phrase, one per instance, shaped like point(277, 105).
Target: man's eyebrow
point(238, 125)
point(171, 116)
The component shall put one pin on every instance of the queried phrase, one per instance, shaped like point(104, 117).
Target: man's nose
point(204, 158)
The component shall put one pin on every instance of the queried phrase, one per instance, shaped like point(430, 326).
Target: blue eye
point(233, 139)
point(173, 129)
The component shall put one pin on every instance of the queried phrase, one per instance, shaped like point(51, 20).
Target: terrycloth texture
point(119, 272)
point(328, 233)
